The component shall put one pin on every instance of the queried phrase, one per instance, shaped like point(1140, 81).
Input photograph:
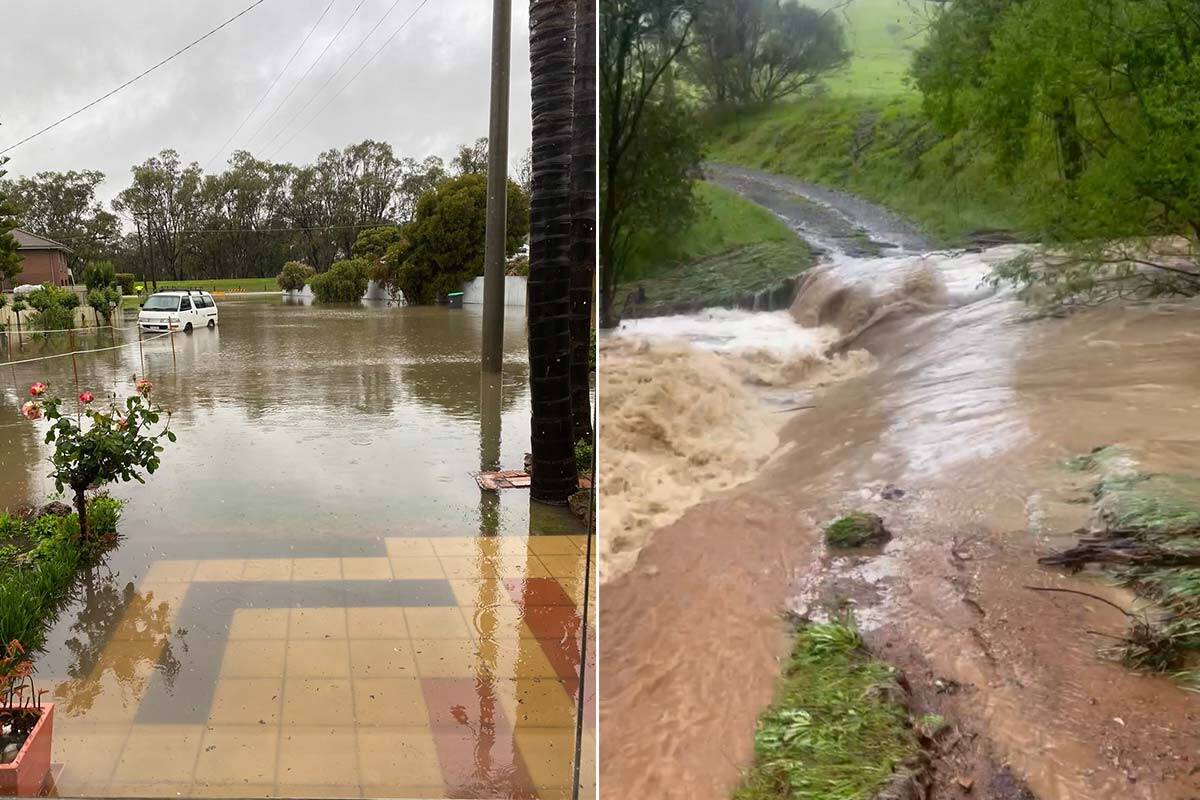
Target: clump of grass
point(835, 731)
point(41, 558)
point(856, 529)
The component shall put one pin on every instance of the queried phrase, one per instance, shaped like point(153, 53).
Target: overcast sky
point(425, 93)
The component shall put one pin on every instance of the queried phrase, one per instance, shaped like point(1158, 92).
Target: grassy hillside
point(878, 147)
point(882, 34)
point(731, 248)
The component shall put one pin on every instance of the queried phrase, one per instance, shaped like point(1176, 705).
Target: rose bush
point(95, 447)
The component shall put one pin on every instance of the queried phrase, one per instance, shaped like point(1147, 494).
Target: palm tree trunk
point(551, 52)
point(583, 218)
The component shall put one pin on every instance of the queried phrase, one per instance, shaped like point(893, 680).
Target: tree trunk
point(81, 510)
point(551, 52)
point(583, 222)
point(1069, 142)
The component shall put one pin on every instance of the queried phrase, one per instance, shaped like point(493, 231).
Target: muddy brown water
point(970, 409)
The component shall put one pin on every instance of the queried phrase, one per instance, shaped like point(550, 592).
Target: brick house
point(43, 260)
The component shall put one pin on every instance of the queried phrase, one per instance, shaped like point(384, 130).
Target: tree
point(551, 53)
point(472, 159)
point(63, 206)
point(443, 245)
point(760, 51)
point(583, 219)
point(10, 257)
point(344, 282)
point(648, 144)
point(294, 276)
point(373, 243)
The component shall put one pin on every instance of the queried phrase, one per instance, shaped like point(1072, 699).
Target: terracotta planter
point(27, 773)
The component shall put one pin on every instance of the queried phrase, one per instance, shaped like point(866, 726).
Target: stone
point(857, 529)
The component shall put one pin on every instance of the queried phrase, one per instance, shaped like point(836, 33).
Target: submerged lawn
point(835, 731)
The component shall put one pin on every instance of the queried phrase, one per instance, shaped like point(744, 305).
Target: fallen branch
point(1083, 594)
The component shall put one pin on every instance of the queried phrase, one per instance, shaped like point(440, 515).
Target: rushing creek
point(731, 437)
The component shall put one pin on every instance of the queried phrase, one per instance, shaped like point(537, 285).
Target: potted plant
point(26, 726)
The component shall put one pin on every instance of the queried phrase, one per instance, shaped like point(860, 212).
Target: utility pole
point(497, 180)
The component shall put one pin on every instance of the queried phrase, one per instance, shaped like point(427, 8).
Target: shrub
point(126, 281)
point(294, 276)
point(104, 300)
point(99, 275)
point(518, 266)
point(856, 529)
point(345, 282)
point(116, 445)
point(55, 318)
point(19, 306)
point(48, 295)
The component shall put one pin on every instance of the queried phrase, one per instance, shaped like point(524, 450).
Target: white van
point(184, 310)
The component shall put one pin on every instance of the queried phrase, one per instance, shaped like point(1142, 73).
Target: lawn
point(223, 284)
point(882, 35)
point(732, 247)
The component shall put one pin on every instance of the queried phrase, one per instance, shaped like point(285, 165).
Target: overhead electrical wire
point(335, 73)
point(365, 64)
point(296, 85)
point(132, 80)
point(271, 88)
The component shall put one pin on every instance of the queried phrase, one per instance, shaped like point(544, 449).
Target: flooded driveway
point(313, 598)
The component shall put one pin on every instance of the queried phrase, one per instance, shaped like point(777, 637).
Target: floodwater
point(968, 406)
point(313, 598)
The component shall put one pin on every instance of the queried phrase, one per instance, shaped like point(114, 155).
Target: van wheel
point(187, 328)
point(212, 323)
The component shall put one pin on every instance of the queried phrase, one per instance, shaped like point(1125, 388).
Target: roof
point(31, 241)
point(181, 292)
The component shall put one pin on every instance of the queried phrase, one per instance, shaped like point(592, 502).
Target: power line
point(329, 80)
point(366, 63)
point(273, 84)
point(296, 86)
point(134, 79)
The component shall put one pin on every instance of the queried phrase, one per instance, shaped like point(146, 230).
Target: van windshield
point(162, 302)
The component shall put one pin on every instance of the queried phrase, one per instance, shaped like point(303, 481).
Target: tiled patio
point(437, 667)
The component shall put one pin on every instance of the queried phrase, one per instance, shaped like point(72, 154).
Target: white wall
point(514, 291)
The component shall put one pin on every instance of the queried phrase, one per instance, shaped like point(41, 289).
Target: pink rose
point(144, 387)
point(122, 421)
point(31, 410)
point(86, 397)
point(37, 390)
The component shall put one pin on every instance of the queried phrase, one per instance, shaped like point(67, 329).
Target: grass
point(881, 148)
point(834, 731)
point(882, 35)
point(856, 529)
point(732, 248)
point(38, 563)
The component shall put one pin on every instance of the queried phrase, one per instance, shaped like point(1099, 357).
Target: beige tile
point(317, 569)
point(382, 658)
point(150, 790)
point(455, 545)
point(405, 547)
point(318, 658)
point(219, 570)
point(553, 546)
point(416, 568)
point(398, 756)
point(318, 701)
point(471, 594)
point(234, 754)
point(204, 788)
point(335, 791)
point(446, 658)
point(366, 569)
point(317, 756)
point(89, 752)
point(548, 754)
point(155, 594)
point(159, 754)
point(536, 702)
point(170, 572)
point(267, 569)
point(436, 623)
point(259, 623)
point(486, 568)
point(563, 566)
point(498, 622)
point(247, 701)
point(389, 701)
point(317, 623)
point(394, 790)
point(580, 542)
point(376, 623)
point(253, 658)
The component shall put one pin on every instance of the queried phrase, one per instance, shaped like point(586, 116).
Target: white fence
point(514, 291)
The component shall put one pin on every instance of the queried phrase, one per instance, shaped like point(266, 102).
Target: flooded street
point(944, 389)
point(313, 597)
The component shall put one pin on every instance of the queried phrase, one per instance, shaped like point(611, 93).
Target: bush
point(48, 295)
point(54, 318)
point(294, 276)
point(99, 275)
point(345, 282)
point(126, 280)
point(104, 300)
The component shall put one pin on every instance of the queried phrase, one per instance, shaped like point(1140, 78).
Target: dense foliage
point(344, 282)
point(10, 259)
point(443, 245)
point(294, 276)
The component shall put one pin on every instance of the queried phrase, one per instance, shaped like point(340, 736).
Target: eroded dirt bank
point(969, 410)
